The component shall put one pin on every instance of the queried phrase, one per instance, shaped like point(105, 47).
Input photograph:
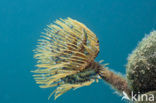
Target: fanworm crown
point(66, 56)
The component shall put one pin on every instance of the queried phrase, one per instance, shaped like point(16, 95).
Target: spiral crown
point(66, 56)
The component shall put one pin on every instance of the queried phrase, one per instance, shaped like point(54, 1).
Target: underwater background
point(118, 24)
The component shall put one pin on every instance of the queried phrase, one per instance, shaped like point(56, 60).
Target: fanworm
point(66, 56)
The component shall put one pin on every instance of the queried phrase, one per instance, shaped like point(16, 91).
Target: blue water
point(119, 25)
